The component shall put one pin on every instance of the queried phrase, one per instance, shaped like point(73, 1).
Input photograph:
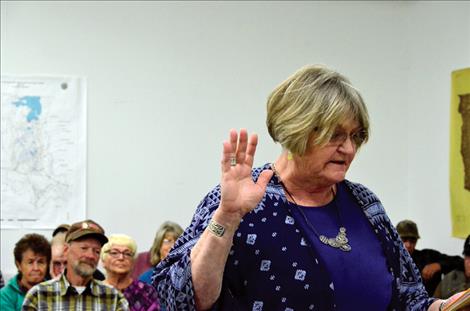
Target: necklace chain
point(340, 241)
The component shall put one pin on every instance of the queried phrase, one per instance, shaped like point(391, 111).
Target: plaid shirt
point(58, 294)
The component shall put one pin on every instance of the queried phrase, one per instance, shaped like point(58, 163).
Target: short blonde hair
point(166, 227)
point(119, 239)
point(314, 99)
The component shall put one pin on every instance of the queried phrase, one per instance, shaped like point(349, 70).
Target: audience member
point(431, 263)
point(165, 238)
point(58, 260)
point(458, 279)
point(32, 255)
point(76, 289)
point(118, 260)
point(63, 228)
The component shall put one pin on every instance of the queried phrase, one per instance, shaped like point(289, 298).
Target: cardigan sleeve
point(172, 276)
point(409, 292)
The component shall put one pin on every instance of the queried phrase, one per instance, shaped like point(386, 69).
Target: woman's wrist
point(229, 221)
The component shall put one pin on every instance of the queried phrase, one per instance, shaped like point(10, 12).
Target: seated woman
point(32, 255)
point(118, 257)
point(165, 238)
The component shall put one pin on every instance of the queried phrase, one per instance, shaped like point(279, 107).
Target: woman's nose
point(348, 145)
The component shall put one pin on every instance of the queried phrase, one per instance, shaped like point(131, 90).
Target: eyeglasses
point(357, 138)
point(168, 241)
point(117, 254)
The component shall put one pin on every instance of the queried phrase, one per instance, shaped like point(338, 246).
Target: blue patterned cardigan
point(271, 266)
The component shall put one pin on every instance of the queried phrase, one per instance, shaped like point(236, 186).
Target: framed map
point(43, 151)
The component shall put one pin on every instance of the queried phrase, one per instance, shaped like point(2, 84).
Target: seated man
point(58, 260)
point(432, 264)
point(457, 280)
point(76, 289)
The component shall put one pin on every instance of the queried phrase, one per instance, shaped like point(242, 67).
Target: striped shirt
point(59, 294)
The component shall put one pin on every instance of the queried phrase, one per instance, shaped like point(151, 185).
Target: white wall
point(166, 81)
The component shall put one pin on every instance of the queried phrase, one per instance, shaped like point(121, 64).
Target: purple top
point(369, 284)
point(141, 297)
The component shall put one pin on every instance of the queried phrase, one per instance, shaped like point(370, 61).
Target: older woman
point(165, 238)
point(32, 255)
point(294, 234)
point(118, 260)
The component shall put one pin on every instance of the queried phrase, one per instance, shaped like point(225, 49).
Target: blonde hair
point(119, 239)
point(166, 227)
point(314, 99)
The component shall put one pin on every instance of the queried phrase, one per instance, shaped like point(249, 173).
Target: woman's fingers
point(251, 149)
point(238, 149)
point(241, 148)
point(229, 150)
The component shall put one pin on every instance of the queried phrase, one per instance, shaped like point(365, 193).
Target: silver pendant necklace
point(341, 239)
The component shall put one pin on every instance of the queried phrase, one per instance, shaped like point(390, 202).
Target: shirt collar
point(65, 284)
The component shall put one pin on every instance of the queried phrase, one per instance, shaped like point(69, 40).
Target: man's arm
point(439, 263)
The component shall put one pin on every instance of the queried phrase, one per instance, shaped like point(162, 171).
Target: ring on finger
point(233, 161)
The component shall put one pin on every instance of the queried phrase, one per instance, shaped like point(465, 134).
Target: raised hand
point(240, 194)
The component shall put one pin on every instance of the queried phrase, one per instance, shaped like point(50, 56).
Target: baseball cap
point(86, 228)
point(61, 228)
point(408, 229)
point(466, 247)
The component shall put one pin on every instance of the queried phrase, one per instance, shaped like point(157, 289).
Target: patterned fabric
point(272, 266)
point(141, 297)
point(58, 294)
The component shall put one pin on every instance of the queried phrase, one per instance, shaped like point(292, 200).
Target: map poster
point(460, 153)
point(43, 151)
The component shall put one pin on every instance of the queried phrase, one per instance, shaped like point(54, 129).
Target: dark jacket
point(428, 256)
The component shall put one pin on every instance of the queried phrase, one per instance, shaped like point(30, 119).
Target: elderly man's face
point(83, 256)
point(410, 244)
point(58, 260)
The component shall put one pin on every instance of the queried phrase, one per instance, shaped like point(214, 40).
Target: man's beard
point(84, 269)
